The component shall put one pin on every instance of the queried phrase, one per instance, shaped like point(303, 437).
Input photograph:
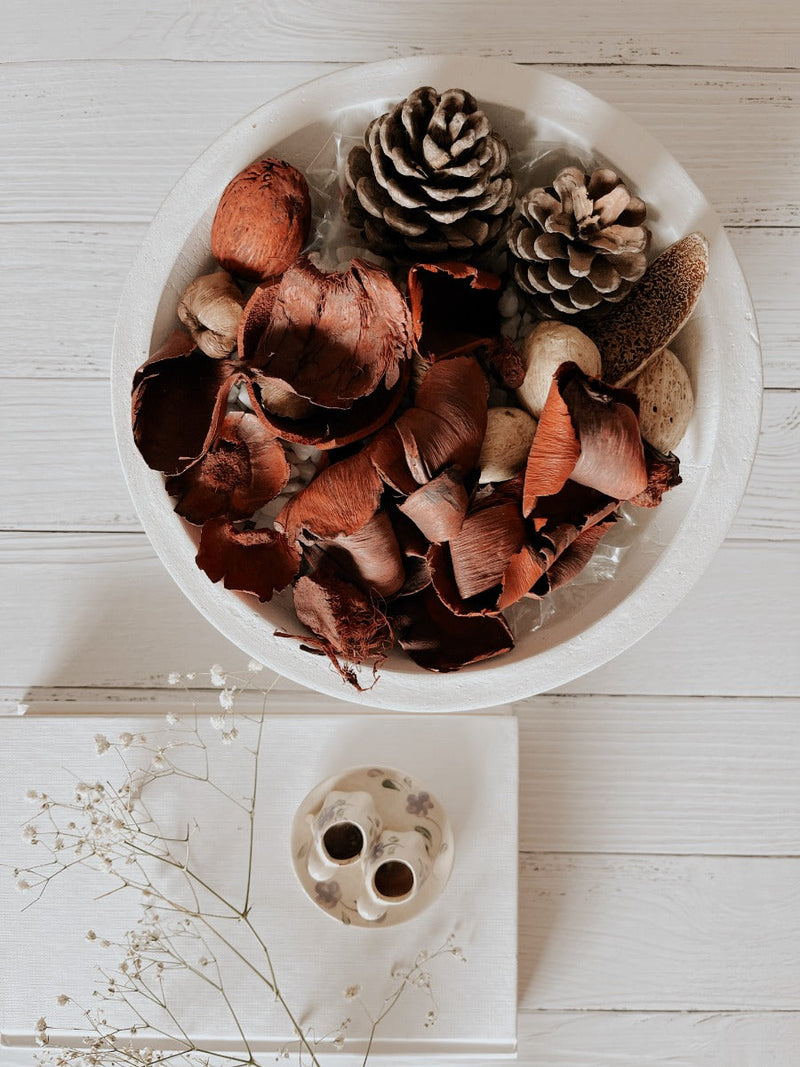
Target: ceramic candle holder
point(395, 871)
point(343, 832)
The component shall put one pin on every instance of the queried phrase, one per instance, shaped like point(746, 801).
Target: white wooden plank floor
point(659, 803)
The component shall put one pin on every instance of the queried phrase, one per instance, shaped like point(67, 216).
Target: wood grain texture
point(67, 463)
point(85, 265)
point(655, 775)
point(679, 933)
point(104, 612)
point(104, 142)
point(716, 32)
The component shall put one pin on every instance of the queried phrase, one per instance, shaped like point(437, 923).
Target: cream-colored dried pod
point(665, 400)
point(279, 399)
point(210, 309)
point(509, 434)
point(546, 347)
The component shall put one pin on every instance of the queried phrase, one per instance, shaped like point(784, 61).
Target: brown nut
point(665, 399)
point(210, 310)
point(545, 348)
point(262, 221)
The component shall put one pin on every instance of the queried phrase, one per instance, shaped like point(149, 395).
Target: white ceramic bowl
point(673, 544)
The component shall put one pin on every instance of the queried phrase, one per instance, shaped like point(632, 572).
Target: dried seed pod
point(546, 347)
point(262, 221)
point(633, 333)
point(210, 309)
point(509, 434)
point(665, 400)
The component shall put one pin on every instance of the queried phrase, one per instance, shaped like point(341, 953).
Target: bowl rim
point(680, 563)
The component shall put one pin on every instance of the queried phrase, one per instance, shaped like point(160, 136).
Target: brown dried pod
point(346, 620)
point(262, 221)
point(454, 308)
point(632, 334)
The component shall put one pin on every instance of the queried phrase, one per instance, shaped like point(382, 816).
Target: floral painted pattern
point(419, 804)
point(328, 894)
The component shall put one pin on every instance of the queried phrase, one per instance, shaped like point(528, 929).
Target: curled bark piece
point(454, 307)
point(446, 426)
point(574, 558)
point(438, 640)
point(338, 502)
point(663, 473)
point(439, 507)
point(243, 469)
point(332, 338)
point(260, 562)
point(179, 396)
point(632, 333)
point(588, 432)
point(346, 621)
point(559, 519)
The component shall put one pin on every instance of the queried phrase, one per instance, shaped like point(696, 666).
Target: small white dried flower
point(226, 699)
point(23, 886)
point(126, 739)
point(62, 1000)
point(254, 666)
point(218, 722)
point(173, 678)
point(218, 676)
point(191, 675)
point(31, 796)
point(172, 719)
point(338, 1041)
point(29, 833)
point(101, 743)
point(91, 935)
point(351, 992)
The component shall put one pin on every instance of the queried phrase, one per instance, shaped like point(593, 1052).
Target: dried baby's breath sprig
point(190, 928)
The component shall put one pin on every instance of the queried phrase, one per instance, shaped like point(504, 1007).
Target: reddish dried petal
point(339, 501)
point(523, 571)
point(260, 562)
point(453, 307)
point(439, 507)
point(389, 459)
point(560, 518)
point(503, 359)
point(662, 474)
point(333, 338)
point(612, 456)
point(179, 395)
point(447, 424)
point(343, 617)
point(480, 553)
point(438, 640)
point(588, 432)
point(370, 556)
point(243, 469)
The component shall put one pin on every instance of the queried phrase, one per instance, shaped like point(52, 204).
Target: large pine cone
point(433, 179)
point(579, 242)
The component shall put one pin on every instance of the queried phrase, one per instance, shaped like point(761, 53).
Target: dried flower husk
point(438, 507)
point(329, 355)
point(588, 432)
point(447, 424)
point(338, 502)
point(454, 308)
point(370, 556)
point(243, 469)
point(257, 561)
point(346, 621)
point(568, 565)
point(262, 221)
point(438, 640)
point(178, 399)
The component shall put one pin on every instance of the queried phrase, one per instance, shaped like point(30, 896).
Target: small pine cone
point(433, 178)
point(579, 242)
